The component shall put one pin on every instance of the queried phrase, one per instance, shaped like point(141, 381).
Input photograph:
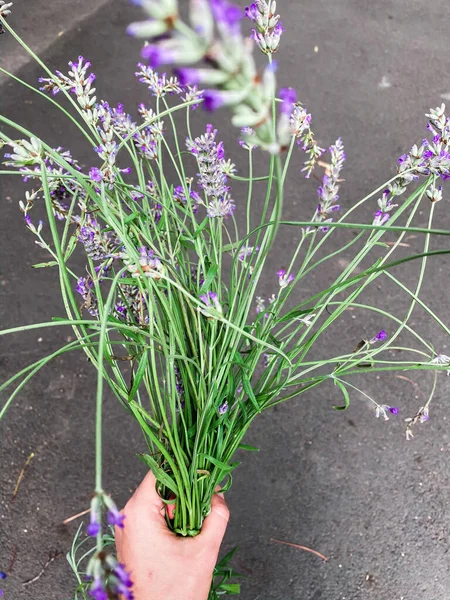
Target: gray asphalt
point(344, 484)
point(41, 22)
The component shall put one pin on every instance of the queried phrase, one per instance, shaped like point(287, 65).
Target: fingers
point(146, 501)
point(146, 493)
point(216, 522)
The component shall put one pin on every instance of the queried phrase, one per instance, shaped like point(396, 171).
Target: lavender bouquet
point(172, 280)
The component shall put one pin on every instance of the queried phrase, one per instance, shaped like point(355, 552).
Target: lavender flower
point(98, 591)
point(328, 191)
point(223, 408)
point(211, 300)
point(121, 310)
point(440, 359)
point(247, 251)
point(25, 153)
point(121, 573)
point(434, 193)
point(261, 305)
point(85, 287)
point(193, 94)
point(227, 15)
point(114, 516)
point(148, 263)
point(133, 306)
point(180, 197)
point(111, 581)
point(231, 73)
point(202, 76)
point(154, 124)
point(421, 416)
point(300, 123)
point(78, 82)
point(268, 30)
point(248, 136)
point(111, 120)
point(98, 244)
point(4, 8)
point(159, 85)
point(288, 97)
point(424, 414)
point(171, 51)
point(380, 218)
point(4, 12)
point(94, 527)
point(211, 161)
point(146, 144)
point(384, 409)
point(179, 386)
point(121, 121)
point(380, 337)
point(36, 230)
point(431, 157)
point(150, 28)
point(96, 175)
point(284, 279)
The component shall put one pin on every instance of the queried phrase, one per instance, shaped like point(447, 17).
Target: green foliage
point(201, 371)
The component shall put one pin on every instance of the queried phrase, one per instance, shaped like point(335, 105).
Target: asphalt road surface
point(344, 484)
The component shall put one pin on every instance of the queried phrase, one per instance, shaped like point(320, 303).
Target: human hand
point(163, 565)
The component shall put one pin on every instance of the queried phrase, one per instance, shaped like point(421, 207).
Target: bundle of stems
point(168, 307)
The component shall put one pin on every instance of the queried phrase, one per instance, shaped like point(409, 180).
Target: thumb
point(216, 522)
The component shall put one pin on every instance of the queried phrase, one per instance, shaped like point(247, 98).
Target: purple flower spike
point(115, 518)
point(3, 575)
point(124, 592)
point(205, 299)
point(288, 97)
point(380, 337)
point(153, 55)
point(212, 100)
point(98, 591)
point(393, 410)
point(284, 279)
point(211, 300)
point(251, 12)
point(227, 13)
point(123, 575)
point(188, 76)
point(96, 175)
point(93, 529)
point(223, 408)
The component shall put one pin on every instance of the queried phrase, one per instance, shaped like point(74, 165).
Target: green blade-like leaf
point(343, 389)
